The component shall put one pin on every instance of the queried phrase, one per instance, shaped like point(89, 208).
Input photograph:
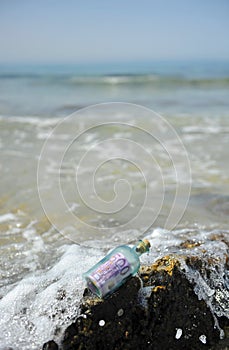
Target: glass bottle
point(115, 268)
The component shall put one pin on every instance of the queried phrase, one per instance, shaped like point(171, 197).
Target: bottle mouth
point(143, 246)
point(147, 244)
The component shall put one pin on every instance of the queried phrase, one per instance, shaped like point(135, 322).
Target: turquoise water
point(168, 87)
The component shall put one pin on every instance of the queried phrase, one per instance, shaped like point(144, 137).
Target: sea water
point(41, 267)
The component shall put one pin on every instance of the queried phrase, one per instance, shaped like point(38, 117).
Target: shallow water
point(41, 266)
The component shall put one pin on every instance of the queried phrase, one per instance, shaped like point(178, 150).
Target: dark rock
point(180, 301)
point(102, 322)
point(50, 345)
point(157, 310)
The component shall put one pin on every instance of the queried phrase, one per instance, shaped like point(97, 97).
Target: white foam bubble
point(7, 217)
point(178, 333)
point(45, 302)
point(203, 339)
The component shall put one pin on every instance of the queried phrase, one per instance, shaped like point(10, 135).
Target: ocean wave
point(148, 80)
point(7, 217)
point(118, 79)
point(204, 129)
point(38, 121)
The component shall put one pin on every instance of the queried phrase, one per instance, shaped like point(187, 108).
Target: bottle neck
point(142, 247)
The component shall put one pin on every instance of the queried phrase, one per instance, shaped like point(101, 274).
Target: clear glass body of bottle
point(114, 269)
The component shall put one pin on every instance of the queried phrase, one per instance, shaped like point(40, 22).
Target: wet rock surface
point(50, 345)
point(180, 301)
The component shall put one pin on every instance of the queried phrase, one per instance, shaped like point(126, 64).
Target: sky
point(79, 31)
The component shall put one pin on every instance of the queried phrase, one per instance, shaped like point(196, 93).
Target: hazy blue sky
point(111, 30)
